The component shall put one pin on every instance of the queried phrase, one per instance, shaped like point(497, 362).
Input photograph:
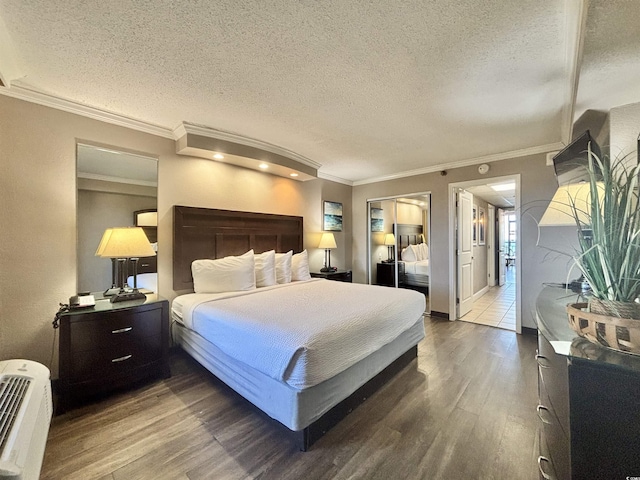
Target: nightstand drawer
point(113, 328)
point(118, 358)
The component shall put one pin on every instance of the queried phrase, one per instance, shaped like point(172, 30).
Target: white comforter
point(417, 268)
point(302, 333)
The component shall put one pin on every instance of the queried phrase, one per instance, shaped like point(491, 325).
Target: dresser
point(589, 400)
point(111, 346)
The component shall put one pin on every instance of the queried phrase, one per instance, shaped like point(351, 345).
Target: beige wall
point(624, 129)
point(38, 212)
point(538, 185)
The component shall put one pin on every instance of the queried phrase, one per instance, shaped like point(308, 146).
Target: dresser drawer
point(116, 359)
point(556, 438)
point(113, 328)
point(554, 374)
point(546, 469)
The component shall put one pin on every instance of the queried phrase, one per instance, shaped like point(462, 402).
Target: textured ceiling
point(366, 89)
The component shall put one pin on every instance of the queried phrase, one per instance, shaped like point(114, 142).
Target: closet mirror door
point(112, 185)
point(382, 246)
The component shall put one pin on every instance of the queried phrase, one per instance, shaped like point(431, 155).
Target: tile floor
point(497, 307)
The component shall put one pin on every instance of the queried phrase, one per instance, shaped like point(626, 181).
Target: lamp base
point(127, 296)
point(329, 269)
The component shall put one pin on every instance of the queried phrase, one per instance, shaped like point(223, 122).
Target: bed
point(414, 258)
point(318, 348)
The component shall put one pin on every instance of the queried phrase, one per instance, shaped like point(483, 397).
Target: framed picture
point(481, 225)
point(474, 221)
point(377, 220)
point(332, 217)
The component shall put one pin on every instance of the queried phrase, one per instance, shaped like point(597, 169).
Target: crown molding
point(575, 30)
point(331, 178)
point(110, 179)
point(94, 113)
point(192, 128)
point(464, 163)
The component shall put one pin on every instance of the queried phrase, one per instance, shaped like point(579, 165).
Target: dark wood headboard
point(406, 235)
point(208, 233)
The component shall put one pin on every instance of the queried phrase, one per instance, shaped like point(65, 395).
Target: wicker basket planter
point(622, 334)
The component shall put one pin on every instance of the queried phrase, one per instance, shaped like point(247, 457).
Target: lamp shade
point(124, 242)
point(568, 201)
point(327, 241)
point(389, 239)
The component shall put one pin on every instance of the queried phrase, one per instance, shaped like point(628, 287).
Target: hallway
point(497, 307)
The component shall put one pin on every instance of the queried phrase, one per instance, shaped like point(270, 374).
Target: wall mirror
point(114, 189)
point(399, 239)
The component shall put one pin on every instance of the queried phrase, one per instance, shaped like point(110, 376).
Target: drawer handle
point(121, 359)
point(544, 474)
point(122, 330)
point(541, 359)
point(541, 408)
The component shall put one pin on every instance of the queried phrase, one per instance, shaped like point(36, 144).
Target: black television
point(572, 163)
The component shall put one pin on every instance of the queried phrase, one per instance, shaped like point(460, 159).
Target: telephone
point(82, 301)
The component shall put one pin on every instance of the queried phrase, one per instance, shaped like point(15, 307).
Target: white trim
point(107, 178)
point(332, 178)
point(575, 30)
point(186, 127)
point(480, 293)
point(452, 252)
point(465, 163)
point(70, 106)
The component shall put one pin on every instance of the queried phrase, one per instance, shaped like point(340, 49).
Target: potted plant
point(608, 224)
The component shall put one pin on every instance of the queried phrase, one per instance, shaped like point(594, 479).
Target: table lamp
point(327, 241)
point(390, 242)
point(121, 244)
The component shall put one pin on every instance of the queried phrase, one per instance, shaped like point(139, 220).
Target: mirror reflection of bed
point(413, 258)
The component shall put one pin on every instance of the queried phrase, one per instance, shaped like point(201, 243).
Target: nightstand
point(386, 273)
point(111, 346)
point(338, 275)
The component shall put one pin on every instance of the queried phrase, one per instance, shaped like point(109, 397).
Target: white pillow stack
point(300, 267)
point(226, 274)
point(248, 271)
point(415, 253)
point(265, 269)
point(283, 267)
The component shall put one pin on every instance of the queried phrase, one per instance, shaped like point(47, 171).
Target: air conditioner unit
point(25, 415)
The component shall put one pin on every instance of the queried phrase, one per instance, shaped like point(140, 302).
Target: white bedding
point(417, 268)
point(301, 333)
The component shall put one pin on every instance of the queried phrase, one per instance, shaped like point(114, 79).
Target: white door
point(465, 252)
point(502, 228)
point(491, 243)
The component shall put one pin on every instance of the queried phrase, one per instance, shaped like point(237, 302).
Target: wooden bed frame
point(207, 233)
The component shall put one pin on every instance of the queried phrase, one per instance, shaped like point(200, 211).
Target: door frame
point(491, 245)
point(453, 276)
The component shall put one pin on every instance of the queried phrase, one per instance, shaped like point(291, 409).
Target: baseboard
point(529, 331)
point(480, 293)
point(440, 314)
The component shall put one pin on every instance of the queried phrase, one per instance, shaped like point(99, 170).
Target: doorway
point(484, 278)
point(398, 245)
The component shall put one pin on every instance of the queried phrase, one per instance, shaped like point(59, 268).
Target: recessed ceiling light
point(293, 174)
point(218, 156)
point(503, 187)
point(263, 166)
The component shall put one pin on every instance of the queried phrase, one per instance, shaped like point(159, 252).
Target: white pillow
point(265, 269)
point(409, 255)
point(300, 267)
point(424, 248)
point(228, 274)
point(283, 267)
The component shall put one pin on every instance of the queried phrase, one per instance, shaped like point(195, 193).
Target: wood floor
point(464, 410)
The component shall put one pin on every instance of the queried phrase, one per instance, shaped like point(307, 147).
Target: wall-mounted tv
point(571, 164)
